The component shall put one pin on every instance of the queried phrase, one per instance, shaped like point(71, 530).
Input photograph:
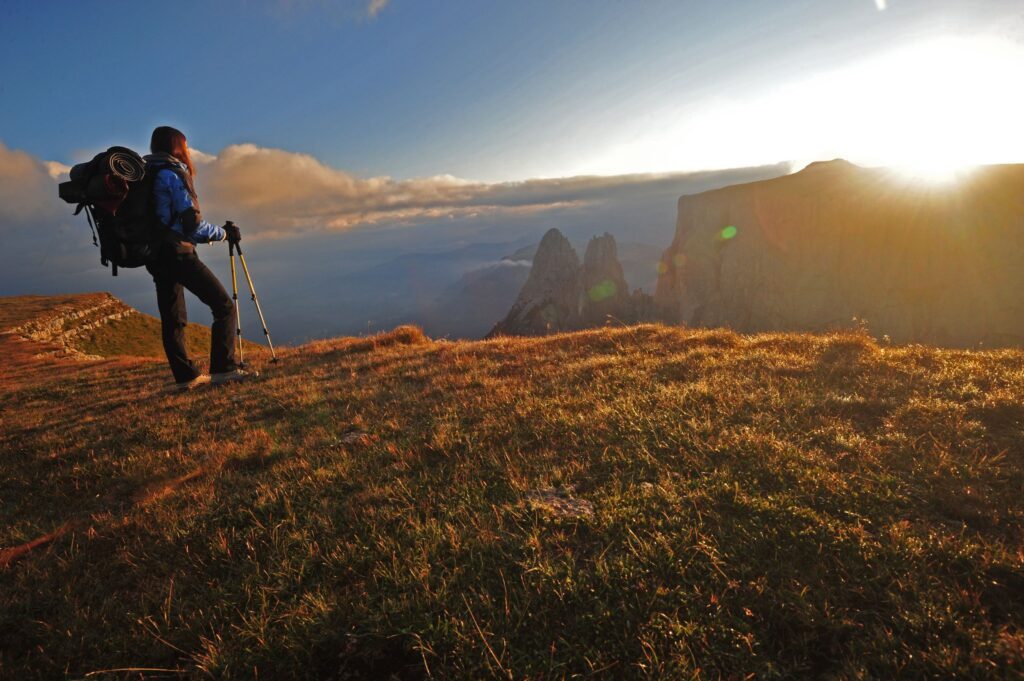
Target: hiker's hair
point(172, 141)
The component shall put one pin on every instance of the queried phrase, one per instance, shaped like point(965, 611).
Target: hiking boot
point(185, 386)
point(232, 376)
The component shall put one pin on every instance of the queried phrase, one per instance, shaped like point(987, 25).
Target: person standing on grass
point(176, 265)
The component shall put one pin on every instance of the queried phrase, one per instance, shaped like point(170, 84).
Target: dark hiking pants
point(173, 273)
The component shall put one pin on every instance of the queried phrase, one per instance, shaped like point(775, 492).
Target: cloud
point(201, 156)
point(375, 7)
point(46, 249)
point(276, 191)
point(57, 170)
point(27, 187)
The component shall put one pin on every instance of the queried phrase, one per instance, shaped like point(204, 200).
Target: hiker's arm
point(193, 225)
point(199, 230)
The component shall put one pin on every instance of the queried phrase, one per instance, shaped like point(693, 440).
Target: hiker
point(176, 266)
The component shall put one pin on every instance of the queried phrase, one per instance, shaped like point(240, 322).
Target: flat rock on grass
point(559, 503)
point(356, 437)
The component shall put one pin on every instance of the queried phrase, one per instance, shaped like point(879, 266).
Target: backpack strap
point(89, 218)
point(92, 226)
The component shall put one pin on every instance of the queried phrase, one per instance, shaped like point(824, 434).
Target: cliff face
point(549, 300)
point(811, 251)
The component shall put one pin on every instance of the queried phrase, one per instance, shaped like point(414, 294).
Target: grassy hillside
point(632, 503)
point(139, 336)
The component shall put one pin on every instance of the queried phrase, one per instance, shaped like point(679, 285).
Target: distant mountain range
point(471, 306)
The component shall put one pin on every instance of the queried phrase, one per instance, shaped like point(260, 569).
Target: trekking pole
point(259, 310)
point(234, 297)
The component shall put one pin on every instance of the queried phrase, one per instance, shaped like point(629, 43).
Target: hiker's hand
point(234, 235)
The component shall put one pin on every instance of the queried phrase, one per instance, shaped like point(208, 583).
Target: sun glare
point(940, 172)
point(932, 109)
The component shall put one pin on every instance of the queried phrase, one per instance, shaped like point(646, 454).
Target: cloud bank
point(278, 192)
point(275, 192)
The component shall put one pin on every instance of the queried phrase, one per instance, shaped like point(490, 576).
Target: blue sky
point(490, 91)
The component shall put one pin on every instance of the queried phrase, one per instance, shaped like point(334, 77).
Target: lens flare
point(606, 289)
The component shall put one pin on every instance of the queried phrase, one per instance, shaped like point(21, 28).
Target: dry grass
point(139, 336)
point(779, 505)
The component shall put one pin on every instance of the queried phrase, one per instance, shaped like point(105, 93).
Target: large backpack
point(116, 193)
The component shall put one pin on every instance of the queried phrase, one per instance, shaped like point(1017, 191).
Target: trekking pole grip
point(230, 228)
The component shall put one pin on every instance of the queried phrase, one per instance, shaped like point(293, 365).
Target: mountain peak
point(549, 299)
point(836, 164)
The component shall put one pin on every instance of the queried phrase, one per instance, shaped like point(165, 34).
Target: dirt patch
point(559, 503)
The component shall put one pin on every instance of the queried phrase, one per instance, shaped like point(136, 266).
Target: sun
point(932, 109)
point(948, 106)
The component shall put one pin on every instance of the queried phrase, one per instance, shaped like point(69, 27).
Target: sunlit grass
point(775, 505)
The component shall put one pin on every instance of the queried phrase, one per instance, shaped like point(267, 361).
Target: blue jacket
point(172, 199)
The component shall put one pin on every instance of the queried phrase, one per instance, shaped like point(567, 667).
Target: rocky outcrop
point(549, 300)
point(561, 295)
point(59, 328)
point(935, 264)
point(604, 294)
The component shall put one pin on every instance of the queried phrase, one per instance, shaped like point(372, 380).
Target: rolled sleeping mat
point(124, 163)
point(119, 161)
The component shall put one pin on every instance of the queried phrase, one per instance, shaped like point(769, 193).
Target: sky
point(343, 136)
point(499, 91)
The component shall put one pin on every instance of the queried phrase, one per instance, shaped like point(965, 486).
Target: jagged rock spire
point(560, 295)
point(604, 293)
point(549, 301)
